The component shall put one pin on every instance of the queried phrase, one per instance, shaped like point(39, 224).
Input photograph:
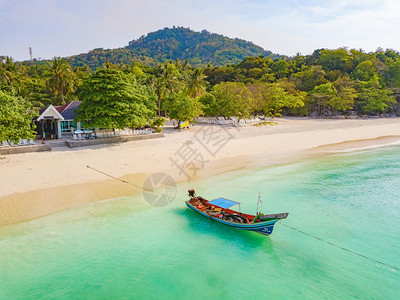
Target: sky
point(63, 28)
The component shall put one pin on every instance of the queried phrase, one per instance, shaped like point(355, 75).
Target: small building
point(56, 122)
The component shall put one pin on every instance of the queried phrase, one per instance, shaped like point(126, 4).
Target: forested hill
point(198, 48)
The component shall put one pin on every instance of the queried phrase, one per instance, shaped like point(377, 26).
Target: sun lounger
point(5, 144)
point(32, 142)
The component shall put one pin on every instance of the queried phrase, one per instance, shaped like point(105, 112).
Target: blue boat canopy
point(222, 202)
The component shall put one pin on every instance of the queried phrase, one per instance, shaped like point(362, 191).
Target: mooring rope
point(123, 181)
point(104, 173)
point(295, 229)
point(340, 247)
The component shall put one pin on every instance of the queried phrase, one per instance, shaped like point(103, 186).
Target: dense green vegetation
point(15, 118)
point(197, 48)
point(336, 82)
point(112, 99)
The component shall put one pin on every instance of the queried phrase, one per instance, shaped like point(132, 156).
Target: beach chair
point(23, 142)
point(32, 142)
point(5, 144)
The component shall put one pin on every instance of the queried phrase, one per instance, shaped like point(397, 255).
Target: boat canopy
point(222, 202)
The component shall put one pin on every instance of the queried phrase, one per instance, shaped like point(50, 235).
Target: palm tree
point(196, 86)
point(10, 71)
point(3, 70)
point(160, 89)
point(170, 75)
point(167, 83)
point(60, 77)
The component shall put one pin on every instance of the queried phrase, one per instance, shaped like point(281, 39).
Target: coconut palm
point(60, 77)
point(196, 86)
point(160, 90)
point(167, 83)
point(10, 71)
point(3, 70)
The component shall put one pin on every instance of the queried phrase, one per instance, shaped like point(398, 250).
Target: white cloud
point(62, 28)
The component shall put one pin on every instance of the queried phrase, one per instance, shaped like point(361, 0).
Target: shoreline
point(290, 141)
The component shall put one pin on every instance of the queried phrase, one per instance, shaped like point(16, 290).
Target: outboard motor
point(192, 194)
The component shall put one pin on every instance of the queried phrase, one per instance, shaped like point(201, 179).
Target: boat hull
point(264, 228)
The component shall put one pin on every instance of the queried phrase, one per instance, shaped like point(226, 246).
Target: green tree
point(209, 104)
point(232, 99)
point(280, 68)
point(60, 77)
point(290, 88)
point(330, 97)
point(344, 96)
point(338, 59)
point(307, 79)
point(109, 100)
point(16, 116)
point(392, 75)
point(36, 92)
point(196, 86)
point(182, 107)
point(167, 83)
point(272, 98)
point(320, 98)
point(373, 100)
point(255, 73)
point(365, 71)
point(10, 71)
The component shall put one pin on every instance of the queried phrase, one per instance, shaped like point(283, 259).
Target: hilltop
point(198, 48)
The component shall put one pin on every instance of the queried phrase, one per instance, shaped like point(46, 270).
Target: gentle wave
point(358, 149)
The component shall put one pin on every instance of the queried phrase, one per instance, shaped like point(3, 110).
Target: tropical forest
point(182, 74)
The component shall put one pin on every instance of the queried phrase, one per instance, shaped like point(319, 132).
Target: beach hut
point(47, 123)
point(56, 122)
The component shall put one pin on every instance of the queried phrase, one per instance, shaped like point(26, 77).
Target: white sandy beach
point(38, 184)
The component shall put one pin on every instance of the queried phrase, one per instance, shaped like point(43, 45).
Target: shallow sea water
point(127, 249)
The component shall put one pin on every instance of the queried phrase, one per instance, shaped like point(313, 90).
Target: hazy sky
point(67, 27)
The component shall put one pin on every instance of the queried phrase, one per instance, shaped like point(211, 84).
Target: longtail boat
point(218, 210)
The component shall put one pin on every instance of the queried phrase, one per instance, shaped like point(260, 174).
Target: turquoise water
point(126, 249)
